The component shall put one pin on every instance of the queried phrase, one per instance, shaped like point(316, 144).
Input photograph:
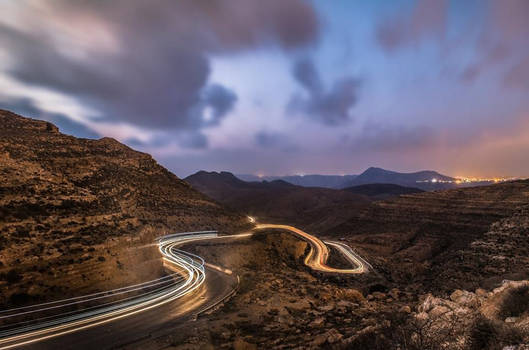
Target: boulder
point(405, 309)
point(465, 298)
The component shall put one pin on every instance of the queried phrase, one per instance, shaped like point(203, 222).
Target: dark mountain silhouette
point(419, 179)
point(326, 181)
point(382, 191)
point(278, 200)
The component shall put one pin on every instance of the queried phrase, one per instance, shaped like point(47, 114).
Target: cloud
point(393, 138)
point(332, 107)
point(147, 63)
point(470, 73)
point(195, 140)
point(306, 74)
point(427, 18)
point(518, 75)
point(220, 101)
point(504, 41)
point(274, 140)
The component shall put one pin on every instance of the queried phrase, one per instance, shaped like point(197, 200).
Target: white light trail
point(191, 276)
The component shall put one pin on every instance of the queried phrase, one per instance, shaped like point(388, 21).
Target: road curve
point(319, 252)
point(160, 305)
point(183, 285)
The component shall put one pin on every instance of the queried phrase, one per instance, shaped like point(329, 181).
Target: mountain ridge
point(277, 201)
point(421, 179)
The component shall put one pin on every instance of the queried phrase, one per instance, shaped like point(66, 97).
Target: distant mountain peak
point(421, 179)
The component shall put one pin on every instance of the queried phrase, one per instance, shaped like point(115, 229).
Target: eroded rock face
point(75, 214)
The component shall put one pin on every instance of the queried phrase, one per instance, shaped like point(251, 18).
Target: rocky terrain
point(424, 241)
point(280, 304)
point(445, 240)
point(441, 261)
point(477, 320)
point(76, 213)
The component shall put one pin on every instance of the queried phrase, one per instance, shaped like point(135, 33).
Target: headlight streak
point(191, 276)
point(88, 295)
point(319, 252)
point(85, 309)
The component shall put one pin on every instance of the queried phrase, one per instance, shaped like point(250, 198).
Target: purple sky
point(280, 87)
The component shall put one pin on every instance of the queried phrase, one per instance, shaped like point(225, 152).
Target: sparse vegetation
point(489, 334)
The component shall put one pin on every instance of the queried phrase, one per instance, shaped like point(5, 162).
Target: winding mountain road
point(319, 253)
point(126, 315)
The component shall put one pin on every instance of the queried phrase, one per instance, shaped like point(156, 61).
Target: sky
point(280, 87)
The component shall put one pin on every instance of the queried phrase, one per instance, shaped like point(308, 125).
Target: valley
point(310, 266)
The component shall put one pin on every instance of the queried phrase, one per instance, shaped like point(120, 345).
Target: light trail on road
point(190, 275)
point(319, 252)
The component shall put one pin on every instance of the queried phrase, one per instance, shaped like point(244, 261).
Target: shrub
point(516, 302)
point(489, 334)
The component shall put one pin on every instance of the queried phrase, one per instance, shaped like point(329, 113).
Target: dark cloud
point(427, 18)
point(274, 140)
point(306, 74)
point(220, 100)
point(154, 73)
point(332, 107)
point(26, 107)
point(503, 41)
point(267, 139)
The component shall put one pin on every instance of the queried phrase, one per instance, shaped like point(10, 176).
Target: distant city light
point(467, 180)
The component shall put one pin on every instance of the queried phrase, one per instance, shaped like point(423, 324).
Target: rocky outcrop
point(78, 215)
point(478, 319)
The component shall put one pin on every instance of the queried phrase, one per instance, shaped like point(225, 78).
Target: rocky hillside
point(279, 201)
point(440, 241)
point(73, 212)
